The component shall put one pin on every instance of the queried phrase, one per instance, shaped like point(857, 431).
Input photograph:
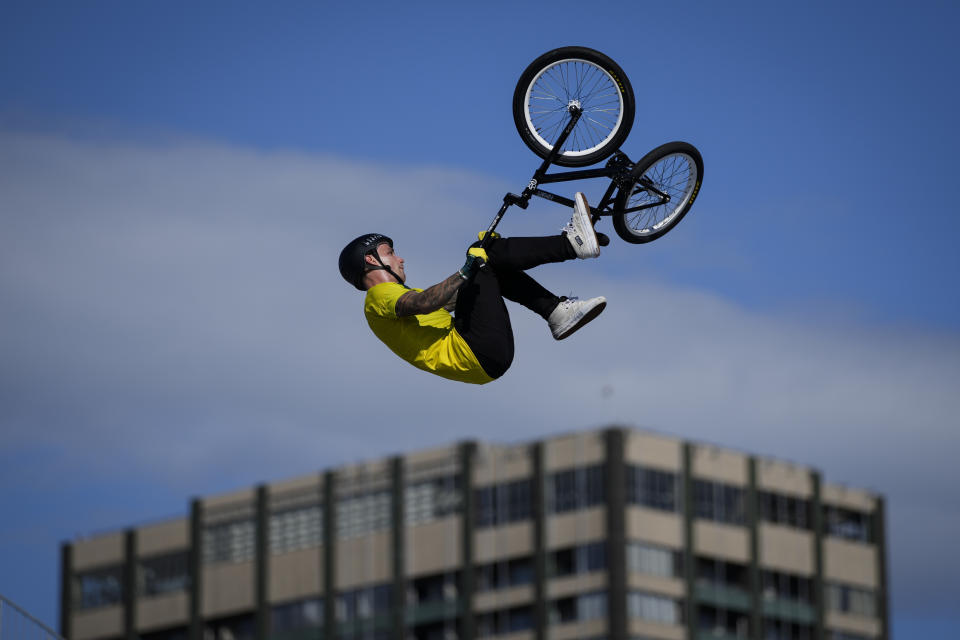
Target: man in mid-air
point(476, 343)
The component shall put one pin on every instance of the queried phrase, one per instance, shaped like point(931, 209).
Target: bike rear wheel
point(570, 76)
point(661, 189)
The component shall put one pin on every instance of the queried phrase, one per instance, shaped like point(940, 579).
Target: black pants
point(481, 315)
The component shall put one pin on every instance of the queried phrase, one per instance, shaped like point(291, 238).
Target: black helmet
point(353, 266)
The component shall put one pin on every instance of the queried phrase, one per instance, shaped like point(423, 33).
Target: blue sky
point(175, 179)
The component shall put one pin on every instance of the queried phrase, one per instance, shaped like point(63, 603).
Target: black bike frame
point(618, 169)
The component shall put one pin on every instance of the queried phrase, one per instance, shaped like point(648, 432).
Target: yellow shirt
point(429, 341)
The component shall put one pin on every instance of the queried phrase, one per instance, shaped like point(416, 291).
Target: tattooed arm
point(451, 304)
point(418, 302)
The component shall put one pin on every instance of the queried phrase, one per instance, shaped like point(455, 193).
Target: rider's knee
point(496, 364)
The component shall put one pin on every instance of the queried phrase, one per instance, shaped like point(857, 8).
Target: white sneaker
point(571, 314)
point(580, 231)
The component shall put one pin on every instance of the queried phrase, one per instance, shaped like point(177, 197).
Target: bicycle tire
point(570, 75)
point(675, 169)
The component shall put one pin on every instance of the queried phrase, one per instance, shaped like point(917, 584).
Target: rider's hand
point(478, 253)
point(476, 259)
point(493, 235)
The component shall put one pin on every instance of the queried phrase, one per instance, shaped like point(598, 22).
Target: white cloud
point(178, 307)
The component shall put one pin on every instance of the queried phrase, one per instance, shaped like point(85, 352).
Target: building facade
point(616, 533)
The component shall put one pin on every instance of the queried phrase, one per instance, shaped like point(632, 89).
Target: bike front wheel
point(660, 191)
point(568, 77)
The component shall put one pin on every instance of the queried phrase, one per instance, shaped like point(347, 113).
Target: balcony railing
point(432, 612)
point(723, 597)
point(792, 610)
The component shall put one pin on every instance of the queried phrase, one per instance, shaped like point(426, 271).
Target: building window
point(431, 500)
point(504, 574)
point(439, 587)
point(787, 586)
point(164, 574)
point(101, 588)
point(363, 514)
point(654, 489)
point(503, 503)
point(785, 510)
point(304, 615)
point(719, 502)
point(176, 633)
point(505, 621)
point(723, 623)
point(589, 606)
point(296, 529)
point(585, 558)
point(648, 606)
point(575, 489)
point(367, 602)
point(847, 524)
point(653, 560)
point(229, 542)
point(718, 573)
point(234, 628)
point(853, 600)
point(592, 606)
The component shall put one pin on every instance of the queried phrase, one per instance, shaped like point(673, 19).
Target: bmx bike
point(574, 107)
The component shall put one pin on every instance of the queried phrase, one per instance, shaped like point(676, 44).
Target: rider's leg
point(578, 240)
point(564, 316)
point(519, 287)
point(520, 254)
point(481, 315)
point(483, 322)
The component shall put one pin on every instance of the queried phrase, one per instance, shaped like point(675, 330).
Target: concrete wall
point(227, 589)
point(786, 549)
point(576, 528)
point(723, 541)
point(495, 465)
point(97, 623)
point(365, 560)
point(433, 547)
point(720, 465)
point(295, 575)
point(94, 553)
point(574, 450)
point(503, 542)
point(782, 477)
point(654, 451)
point(162, 611)
point(850, 562)
point(654, 526)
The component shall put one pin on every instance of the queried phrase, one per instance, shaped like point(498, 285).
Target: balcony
point(722, 597)
point(435, 611)
point(791, 610)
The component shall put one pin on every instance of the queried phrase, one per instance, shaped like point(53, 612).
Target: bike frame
point(617, 169)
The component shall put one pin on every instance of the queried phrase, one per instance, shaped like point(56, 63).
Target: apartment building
point(614, 533)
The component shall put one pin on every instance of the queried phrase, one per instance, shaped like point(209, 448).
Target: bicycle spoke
point(673, 176)
point(592, 88)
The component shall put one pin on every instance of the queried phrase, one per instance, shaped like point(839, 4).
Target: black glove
point(476, 259)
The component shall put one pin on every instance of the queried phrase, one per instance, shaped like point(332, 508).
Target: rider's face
point(392, 260)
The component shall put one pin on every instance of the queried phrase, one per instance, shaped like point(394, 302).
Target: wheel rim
point(574, 81)
point(675, 175)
